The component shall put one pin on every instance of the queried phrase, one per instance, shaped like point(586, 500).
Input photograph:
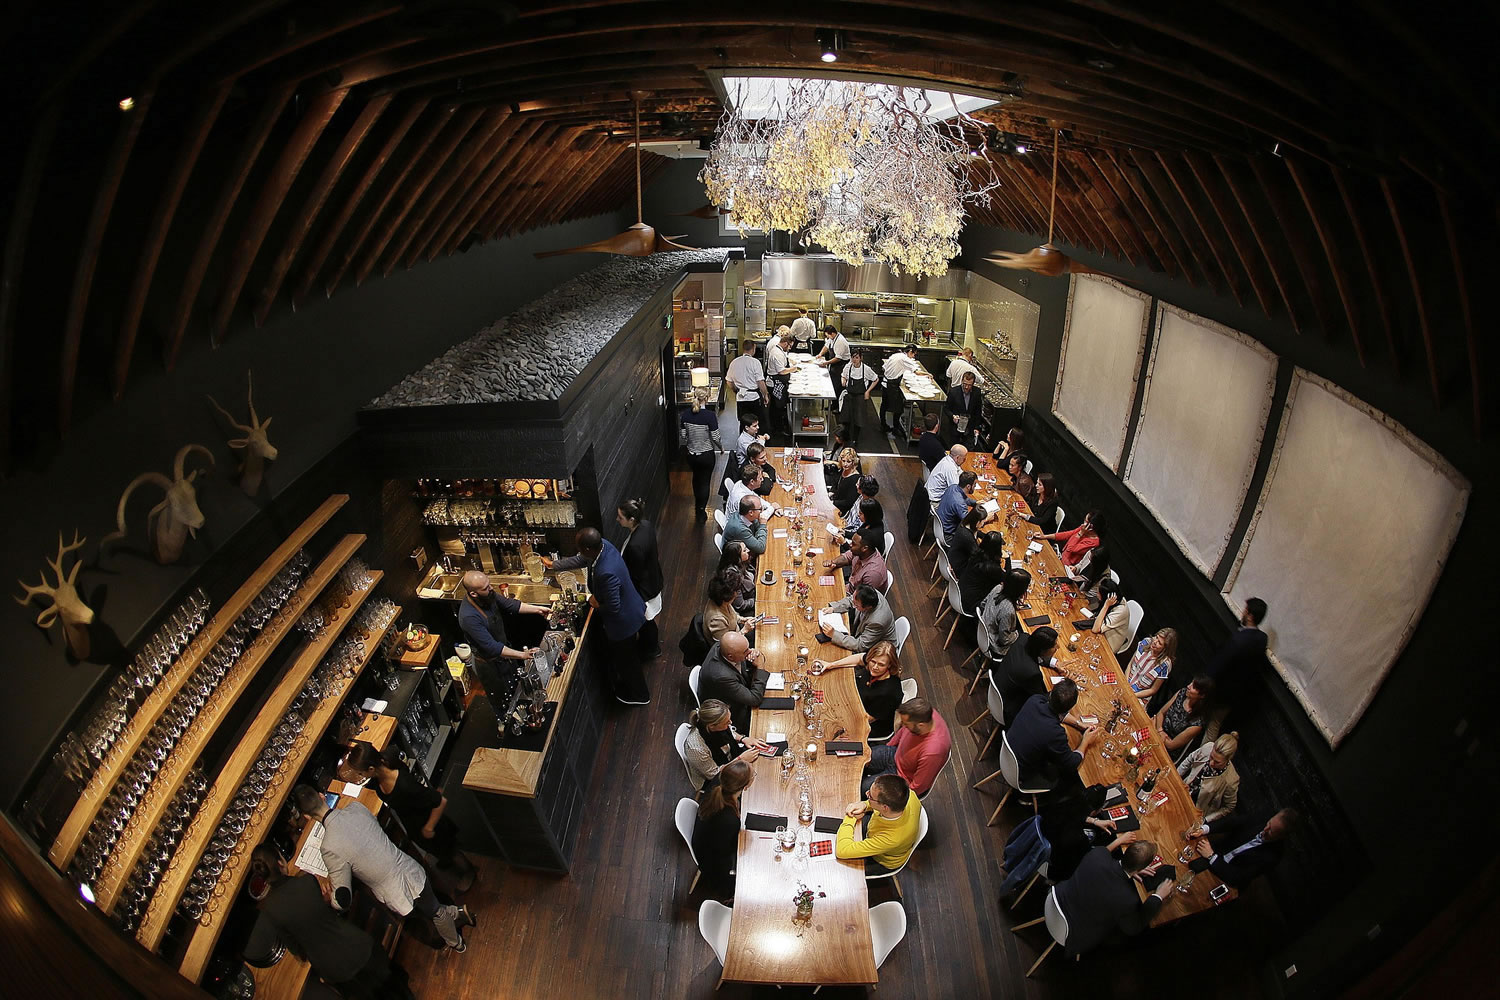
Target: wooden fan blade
point(666, 244)
point(637, 241)
point(709, 212)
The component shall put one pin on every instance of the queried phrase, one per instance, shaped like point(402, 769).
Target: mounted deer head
point(170, 522)
point(67, 606)
point(257, 447)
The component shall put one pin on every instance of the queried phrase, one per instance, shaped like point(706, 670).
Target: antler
point(250, 398)
point(145, 477)
point(48, 615)
point(232, 422)
point(181, 460)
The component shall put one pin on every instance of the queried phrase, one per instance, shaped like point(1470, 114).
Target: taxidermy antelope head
point(170, 522)
point(257, 447)
point(67, 606)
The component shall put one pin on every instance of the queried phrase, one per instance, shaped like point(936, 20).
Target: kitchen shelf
point(203, 938)
point(226, 784)
point(429, 759)
point(134, 734)
point(174, 770)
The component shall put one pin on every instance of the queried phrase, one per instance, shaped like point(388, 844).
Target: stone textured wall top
point(534, 353)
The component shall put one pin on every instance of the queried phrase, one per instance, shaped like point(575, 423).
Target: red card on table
point(1108, 677)
point(1141, 734)
point(820, 848)
point(825, 581)
point(1158, 800)
point(818, 697)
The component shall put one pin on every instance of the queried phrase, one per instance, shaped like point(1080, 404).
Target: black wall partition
point(1388, 809)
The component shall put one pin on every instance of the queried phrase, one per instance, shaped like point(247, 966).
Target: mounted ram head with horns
point(258, 449)
point(170, 522)
point(67, 605)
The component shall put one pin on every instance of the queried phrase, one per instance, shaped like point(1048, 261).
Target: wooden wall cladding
point(281, 148)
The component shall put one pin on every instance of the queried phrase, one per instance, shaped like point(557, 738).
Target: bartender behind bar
point(479, 617)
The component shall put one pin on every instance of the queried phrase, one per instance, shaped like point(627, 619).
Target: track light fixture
point(126, 103)
point(830, 43)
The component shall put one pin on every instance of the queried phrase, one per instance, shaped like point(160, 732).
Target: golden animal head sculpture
point(177, 517)
point(256, 446)
point(67, 605)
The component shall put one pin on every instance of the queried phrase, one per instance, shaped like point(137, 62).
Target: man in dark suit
point(1236, 851)
point(731, 673)
point(964, 407)
point(1036, 737)
point(619, 609)
point(930, 447)
point(1101, 898)
point(931, 451)
point(1239, 659)
point(1018, 677)
point(295, 915)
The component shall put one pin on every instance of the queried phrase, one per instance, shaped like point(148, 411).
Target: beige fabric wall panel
point(1103, 343)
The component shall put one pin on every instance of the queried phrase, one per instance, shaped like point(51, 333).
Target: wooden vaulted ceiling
point(1333, 165)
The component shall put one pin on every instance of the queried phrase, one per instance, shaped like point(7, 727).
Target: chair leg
point(696, 877)
point(948, 641)
point(1040, 959)
point(981, 675)
point(996, 814)
point(971, 656)
point(942, 613)
point(896, 884)
point(981, 781)
point(1017, 901)
point(977, 719)
point(989, 742)
point(1034, 808)
point(936, 580)
point(933, 574)
point(1030, 923)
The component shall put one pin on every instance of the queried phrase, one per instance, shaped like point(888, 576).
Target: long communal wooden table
point(767, 942)
point(1101, 688)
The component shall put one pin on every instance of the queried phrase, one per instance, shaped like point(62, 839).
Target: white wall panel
point(1103, 342)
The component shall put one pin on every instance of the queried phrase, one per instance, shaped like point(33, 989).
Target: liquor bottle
point(1143, 795)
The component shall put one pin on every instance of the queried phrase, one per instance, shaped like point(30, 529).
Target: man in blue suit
point(618, 608)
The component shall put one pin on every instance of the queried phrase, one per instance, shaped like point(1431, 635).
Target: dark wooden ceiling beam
point(563, 175)
point(105, 193)
point(605, 159)
point(1331, 253)
point(1146, 213)
point(462, 195)
point(1419, 297)
point(255, 139)
point(1164, 191)
point(1288, 220)
point(494, 180)
point(1096, 192)
point(1251, 205)
point(335, 228)
point(149, 249)
point(320, 111)
point(1178, 179)
point(518, 177)
point(532, 180)
point(1372, 268)
point(302, 221)
point(1465, 310)
point(1208, 182)
point(439, 193)
point(1035, 176)
point(463, 124)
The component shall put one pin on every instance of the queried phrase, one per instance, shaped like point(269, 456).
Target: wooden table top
point(1164, 825)
point(767, 944)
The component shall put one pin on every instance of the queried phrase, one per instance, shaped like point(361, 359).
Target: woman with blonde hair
point(844, 492)
point(716, 836)
point(1211, 778)
point(712, 743)
point(877, 675)
point(1152, 663)
point(699, 434)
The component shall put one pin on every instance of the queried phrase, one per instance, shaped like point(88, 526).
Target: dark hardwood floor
point(623, 925)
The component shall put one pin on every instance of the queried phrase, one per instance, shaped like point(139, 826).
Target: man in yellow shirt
point(895, 817)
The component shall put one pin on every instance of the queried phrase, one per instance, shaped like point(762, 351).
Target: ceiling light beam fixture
point(830, 43)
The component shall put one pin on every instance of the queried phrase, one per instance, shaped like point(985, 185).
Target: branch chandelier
point(863, 170)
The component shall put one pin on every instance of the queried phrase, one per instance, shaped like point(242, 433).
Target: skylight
point(755, 97)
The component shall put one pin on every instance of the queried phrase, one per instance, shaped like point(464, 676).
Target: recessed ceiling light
point(830, 43)
point(1020, 147)
point(126, 103)
point(1103, 65)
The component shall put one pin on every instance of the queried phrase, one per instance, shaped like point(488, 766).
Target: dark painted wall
point(1405, 778)
point(313, 369)
point(677, 189)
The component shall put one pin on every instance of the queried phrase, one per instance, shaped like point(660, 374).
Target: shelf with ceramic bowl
point(157, 797)
point(205, 935)
point(236, 769)
point(155, 705)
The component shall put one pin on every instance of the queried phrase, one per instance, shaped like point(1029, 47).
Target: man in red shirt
point(917, 751)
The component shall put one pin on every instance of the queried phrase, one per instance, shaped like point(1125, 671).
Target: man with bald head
point(731, 674)
point(945, 474)
point(480, 618)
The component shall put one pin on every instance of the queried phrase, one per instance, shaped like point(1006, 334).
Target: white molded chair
point(1058, 526)
point(1010, 770)
point(1113, 576)
point(982, 635)
point(994, 704)
point(1136, 613)
point(942, 571)
point(955, 604)
point(937, 533)
point(899, 634)
point(680, 742)
point(908, 689)
point(1028, 466)
point(1057, 926)
point(728, 483)
point(889, 579)
point(687, 821)
point(719, 518)
point(713, 924)
point(887, 926)
point(890, 539)
point(719, 541)
point(693, 683)
point(895, 883)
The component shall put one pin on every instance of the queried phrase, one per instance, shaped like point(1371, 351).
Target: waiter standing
point(835, 355)
point(479, 617)
point(749, 380)
point(896, 367)
point(778, 378)
point(621, 612)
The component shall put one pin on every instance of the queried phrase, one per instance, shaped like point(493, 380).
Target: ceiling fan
point(640, 240)
point(1046, 259)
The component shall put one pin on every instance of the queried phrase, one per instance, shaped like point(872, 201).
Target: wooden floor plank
point(622, 925)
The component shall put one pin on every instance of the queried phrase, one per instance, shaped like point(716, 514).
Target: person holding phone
point(719, 615)
point(712, 744)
